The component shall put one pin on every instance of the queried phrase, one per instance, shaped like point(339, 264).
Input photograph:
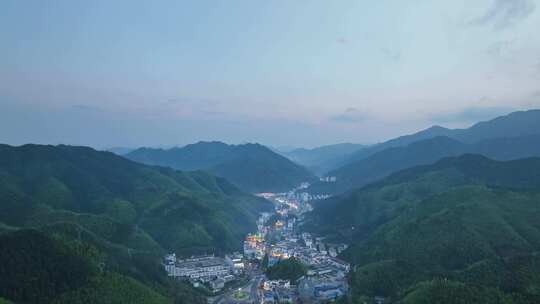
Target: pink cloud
point(343, 41)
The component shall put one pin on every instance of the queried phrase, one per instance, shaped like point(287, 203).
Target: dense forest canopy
point(110, 219)
point(470, 220)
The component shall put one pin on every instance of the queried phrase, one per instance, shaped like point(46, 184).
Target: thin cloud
point(392, 54)
point(505, 13)
point(189, 107)
point(351, 115)
point(210, 112)
point(186, 100)
point(87, 108)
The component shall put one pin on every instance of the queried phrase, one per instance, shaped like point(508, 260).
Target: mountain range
point(383, 163)
point(508, 137)
point(324, 158)
point(515, 124)
point(119, 150)
point(439, 216)
point(252, 167)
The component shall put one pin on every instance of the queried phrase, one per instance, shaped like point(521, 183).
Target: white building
point(170, 259)
point(203, 268)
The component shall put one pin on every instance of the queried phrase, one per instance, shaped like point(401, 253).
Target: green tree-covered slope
point(39, 267)
point(122, 201)
point(110, 219)
point(469, 219)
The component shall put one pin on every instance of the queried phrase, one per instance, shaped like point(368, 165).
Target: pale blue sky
point(304, 73)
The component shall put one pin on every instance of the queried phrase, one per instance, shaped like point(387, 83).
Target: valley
point(269, 152)
point(278, 239)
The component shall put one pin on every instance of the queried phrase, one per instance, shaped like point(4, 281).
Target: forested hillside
point(40, 266)
point(469, 221)
point(123, 201)
point(120, 215)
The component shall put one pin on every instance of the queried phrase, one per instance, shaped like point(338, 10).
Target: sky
point(279, 72)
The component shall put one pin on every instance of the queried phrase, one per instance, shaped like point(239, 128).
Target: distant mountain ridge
point(119, 150)
point(513, 136)
point(424, 152)
point(252, 167)
point(515, 124)
point(324, 158)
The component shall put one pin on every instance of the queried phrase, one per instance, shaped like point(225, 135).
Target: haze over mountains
point(193, 152)
point(512, 125)
point(440, 214)
point(255, 168)
point(322, 159)
point(252, 167)
point(120, 150)
point(507, 137)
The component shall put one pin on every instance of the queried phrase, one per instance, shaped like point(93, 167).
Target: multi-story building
point(254, 246)
point(273, 284)
point(203, 268)
point(236, 262)
point(170, 259)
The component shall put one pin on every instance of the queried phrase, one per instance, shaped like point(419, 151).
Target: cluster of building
point(313, 291)
point(321, 246)
point(278, 291)
point(326, 277)
point(212, 271)
point(305, 197)
point(254, 246)
point(297, 199)
point(277, 239)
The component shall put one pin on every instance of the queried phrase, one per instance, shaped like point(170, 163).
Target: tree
point(291, 269)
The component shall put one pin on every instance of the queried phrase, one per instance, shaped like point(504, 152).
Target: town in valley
point(239, 277)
